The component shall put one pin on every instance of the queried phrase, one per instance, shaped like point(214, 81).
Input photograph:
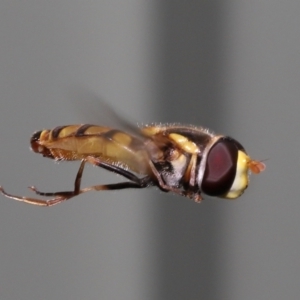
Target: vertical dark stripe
point(55, 132)
point(110, 134)
point(81, 130)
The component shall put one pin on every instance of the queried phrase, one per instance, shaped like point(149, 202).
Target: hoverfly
point(185, 160)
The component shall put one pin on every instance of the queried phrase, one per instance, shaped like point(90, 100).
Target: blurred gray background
point(233, 66)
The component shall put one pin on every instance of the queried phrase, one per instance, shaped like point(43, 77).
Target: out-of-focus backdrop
point(232, 66)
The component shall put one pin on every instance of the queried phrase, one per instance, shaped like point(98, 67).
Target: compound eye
point(220, 167)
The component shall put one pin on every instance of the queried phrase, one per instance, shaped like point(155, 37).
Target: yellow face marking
point(184, 143)
point(241, 178)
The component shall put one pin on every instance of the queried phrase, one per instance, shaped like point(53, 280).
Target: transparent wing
point(92, 109)
point(76, 142)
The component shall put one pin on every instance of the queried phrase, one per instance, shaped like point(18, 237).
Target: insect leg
point(58, 197)
point(115, 169)
point(65, 195)
point(135, 182)
point(144, 182)
point(166, 188)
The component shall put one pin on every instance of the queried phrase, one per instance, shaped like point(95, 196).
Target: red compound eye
point(220, 169)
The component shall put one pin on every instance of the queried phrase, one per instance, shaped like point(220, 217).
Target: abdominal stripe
point(82, 129)
point(56, 131)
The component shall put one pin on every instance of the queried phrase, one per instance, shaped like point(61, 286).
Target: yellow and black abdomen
point(76, 142)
